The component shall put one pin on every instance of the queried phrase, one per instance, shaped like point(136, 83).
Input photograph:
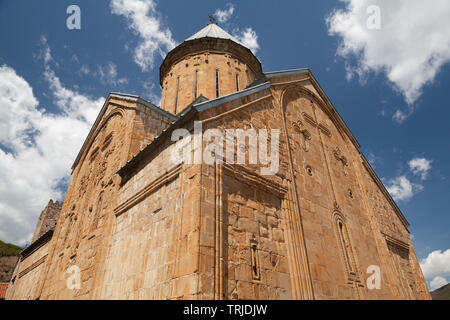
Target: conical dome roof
point(213, 31)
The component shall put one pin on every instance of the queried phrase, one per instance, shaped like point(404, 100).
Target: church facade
point(136, 224)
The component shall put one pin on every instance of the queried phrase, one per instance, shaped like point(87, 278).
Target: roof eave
point(183, 117)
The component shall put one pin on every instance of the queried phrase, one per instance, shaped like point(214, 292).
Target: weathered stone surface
point(140, 226)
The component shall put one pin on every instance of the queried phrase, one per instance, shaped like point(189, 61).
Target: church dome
point(211, 63)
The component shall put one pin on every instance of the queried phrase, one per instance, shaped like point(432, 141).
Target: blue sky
point(389, 85)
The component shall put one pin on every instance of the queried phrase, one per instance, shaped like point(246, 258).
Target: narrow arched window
point(237, 82)
point(176, 97)
point(196, 84)
point(345, 245)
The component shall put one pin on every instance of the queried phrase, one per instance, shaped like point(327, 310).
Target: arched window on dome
point(176, 97)
point(217, 84)
point(196, 85)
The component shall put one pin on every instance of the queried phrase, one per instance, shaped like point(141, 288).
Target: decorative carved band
point(396, 242)
point(33, 266)
point(227, 113)
point(149, 189)
point(290, 82)
point(240, 173)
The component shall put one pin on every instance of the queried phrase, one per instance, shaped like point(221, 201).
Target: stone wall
point(180, 231)
point(84, 230)
point(250, 239)
point(156, 216)
point(342, 234)
point(27, 274)
point(145, 254)
point(402, 270)
point(254, 235)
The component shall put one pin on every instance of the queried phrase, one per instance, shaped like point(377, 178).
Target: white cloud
point(436, 267)
point(143, 18)
point(108, 75)
point(46, 53)
point(410, 48)
point(75, 58)
point(421, 167)
point(85, 70)
point(373, 159)
point(18, 108)
point(437, 282)
point(402, 189)
point(152, 92)
point(37, 148)
point(400, 116)
point(73, 104)
point(223, 15)
point(248, 38)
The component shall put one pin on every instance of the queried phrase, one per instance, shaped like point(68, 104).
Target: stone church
point(137, 225)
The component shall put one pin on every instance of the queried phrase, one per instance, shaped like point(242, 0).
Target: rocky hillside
point(441, 293)
point(8, 260)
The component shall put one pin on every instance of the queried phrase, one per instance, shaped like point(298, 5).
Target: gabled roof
point(262, 79)
point(196, 101)
point(213, 31)
point(46, 237)
point(334, 113)
point(186, 115)
point(122, 96)
point(344, 126)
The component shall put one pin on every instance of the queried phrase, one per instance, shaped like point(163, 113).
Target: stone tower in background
point(47, 219)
